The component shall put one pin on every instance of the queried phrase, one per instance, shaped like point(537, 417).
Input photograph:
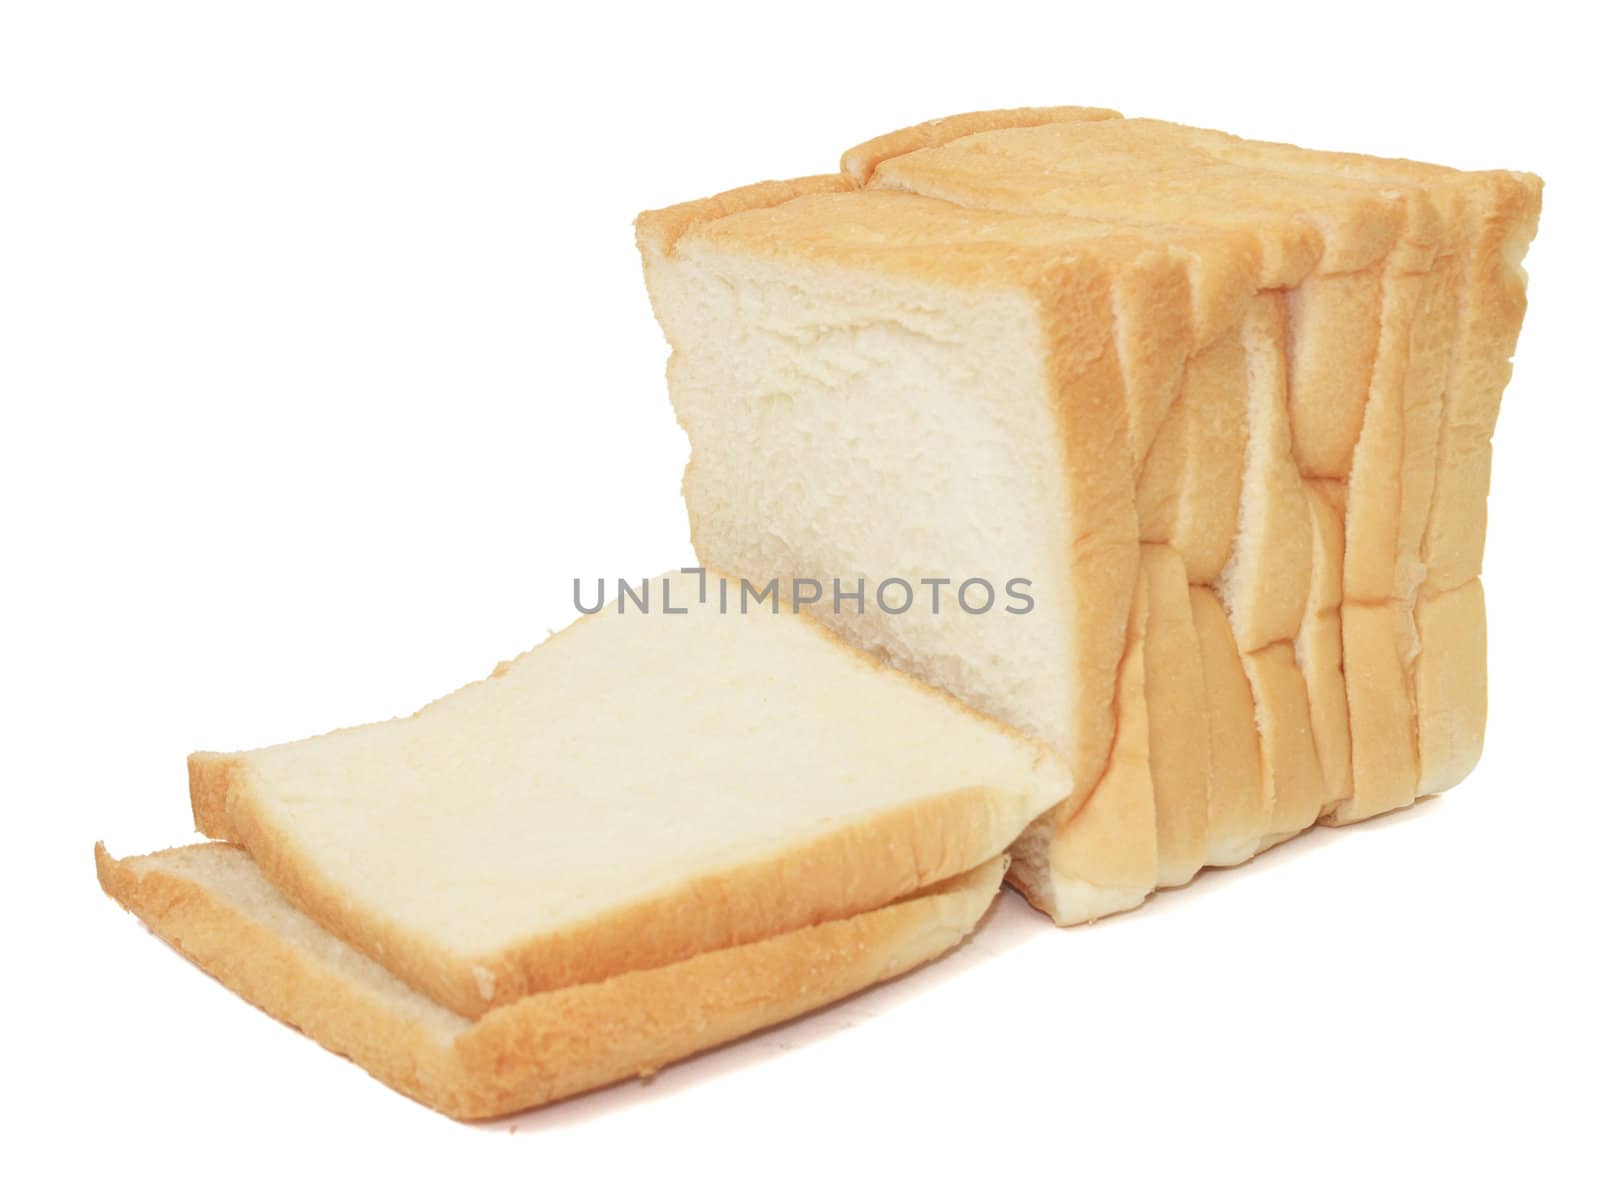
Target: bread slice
point(1449, 674)
point(1319, 642)
point(1238, 810)
point(642, 787)
point(1179, 726)
point(1267, 579)
point(860, 160)
point(213, 905)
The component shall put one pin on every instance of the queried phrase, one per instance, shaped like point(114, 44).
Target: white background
point(326, 365)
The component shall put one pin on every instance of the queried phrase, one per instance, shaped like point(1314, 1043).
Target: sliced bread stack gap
point(1225, 404)
point(657, 831)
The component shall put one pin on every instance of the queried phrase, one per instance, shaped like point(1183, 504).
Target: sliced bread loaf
point(874, 376)
point(644, 786)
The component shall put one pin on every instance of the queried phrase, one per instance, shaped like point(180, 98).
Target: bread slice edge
point(546, 1046)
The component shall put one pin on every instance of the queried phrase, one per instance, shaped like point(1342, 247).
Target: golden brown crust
point(1448, 676)
point(1211, 418)
point(1319, 643)
point(1075, 298)
point(1142, 171)
point(1268, 573)
point(1504, 208)
point(659, 229)
point(1379, 707)
point(1451, 685)
point(859, 162)
point(1434, 336)
point(210, 781)
point(1154, 298)
point(1376, 476)
point(849, 870)
point(549, 1045)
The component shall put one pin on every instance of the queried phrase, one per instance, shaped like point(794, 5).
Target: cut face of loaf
point(642, 787)
point(891, 373)
point(213, 905)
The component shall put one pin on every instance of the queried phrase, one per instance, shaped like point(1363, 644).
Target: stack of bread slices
point(1214, 413)
point(1225, 405)
point(657, 831)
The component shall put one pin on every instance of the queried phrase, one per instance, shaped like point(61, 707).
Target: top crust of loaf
point(658, 230)
point(832, 867)
point(860, 161)
point(1146, 171)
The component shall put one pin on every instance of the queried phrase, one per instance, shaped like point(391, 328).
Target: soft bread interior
point(901, 410)
point(213, 905)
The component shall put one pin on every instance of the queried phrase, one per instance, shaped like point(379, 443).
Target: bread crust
point(549, 1045)
point(658, 230)
point(1449, 675)
point(1452, 685)
point(1319, 641)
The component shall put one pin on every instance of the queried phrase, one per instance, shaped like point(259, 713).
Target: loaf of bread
point(1224, 405)
point(1190, 433)
point(213, 905)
